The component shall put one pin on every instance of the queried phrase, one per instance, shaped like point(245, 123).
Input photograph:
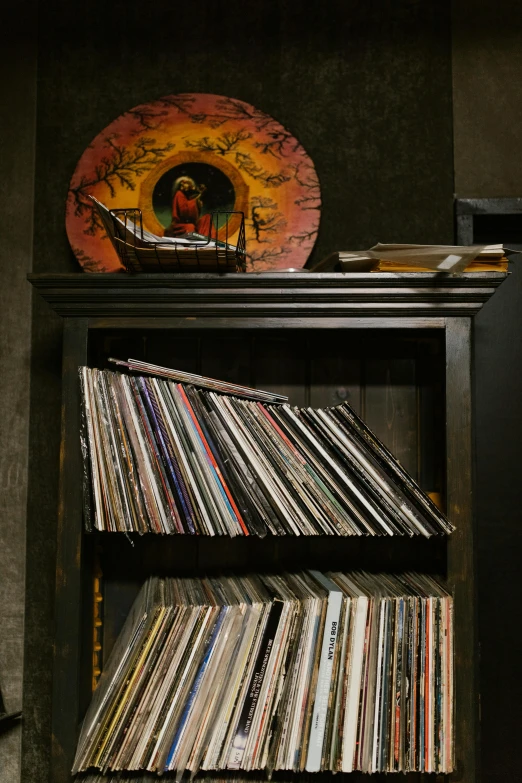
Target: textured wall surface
point(487, 85)
point(487, 89)
point(17, 132)
point(365, 86)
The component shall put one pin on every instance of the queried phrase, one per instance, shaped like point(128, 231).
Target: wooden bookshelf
point(397, 346)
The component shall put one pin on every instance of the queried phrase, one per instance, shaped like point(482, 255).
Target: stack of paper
point(413, 258)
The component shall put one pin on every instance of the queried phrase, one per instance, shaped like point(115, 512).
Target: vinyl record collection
point(223, 777)
point(166, 457)
point(202, 777)
point(299, 671)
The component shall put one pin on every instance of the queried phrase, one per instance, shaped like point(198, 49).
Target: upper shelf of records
point(165, 457)
point(277, 295)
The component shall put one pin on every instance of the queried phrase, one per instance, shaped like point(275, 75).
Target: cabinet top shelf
point(267, 295)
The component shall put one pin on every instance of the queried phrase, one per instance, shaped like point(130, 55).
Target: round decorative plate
point(232, 156)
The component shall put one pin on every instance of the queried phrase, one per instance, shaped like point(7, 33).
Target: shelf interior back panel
point(396, 384)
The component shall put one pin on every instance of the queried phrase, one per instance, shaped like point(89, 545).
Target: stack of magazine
point(299, 671)
point(209, 458)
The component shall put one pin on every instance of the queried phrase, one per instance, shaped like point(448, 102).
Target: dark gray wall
point(365, 86)
point(487, 97)
point(487, 100)
point(17, 136)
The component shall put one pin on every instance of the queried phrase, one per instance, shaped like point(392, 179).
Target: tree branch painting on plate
point(242, 158)
point(121, 167)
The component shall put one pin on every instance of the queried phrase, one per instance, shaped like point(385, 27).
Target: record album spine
point(328, 651)
point(249, 707)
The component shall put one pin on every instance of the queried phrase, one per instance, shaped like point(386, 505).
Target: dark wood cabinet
point(396, 346)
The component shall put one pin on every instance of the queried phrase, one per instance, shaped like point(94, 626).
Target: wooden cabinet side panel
point(68, 628)
point(460, 562)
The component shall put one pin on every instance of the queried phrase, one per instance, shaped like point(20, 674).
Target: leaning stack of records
point(209, 777)
point(166, 457)
point(302, 671)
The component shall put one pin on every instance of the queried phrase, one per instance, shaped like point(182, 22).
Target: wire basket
point(140, 251)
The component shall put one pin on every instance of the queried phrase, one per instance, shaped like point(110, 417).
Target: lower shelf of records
point(303, 672)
